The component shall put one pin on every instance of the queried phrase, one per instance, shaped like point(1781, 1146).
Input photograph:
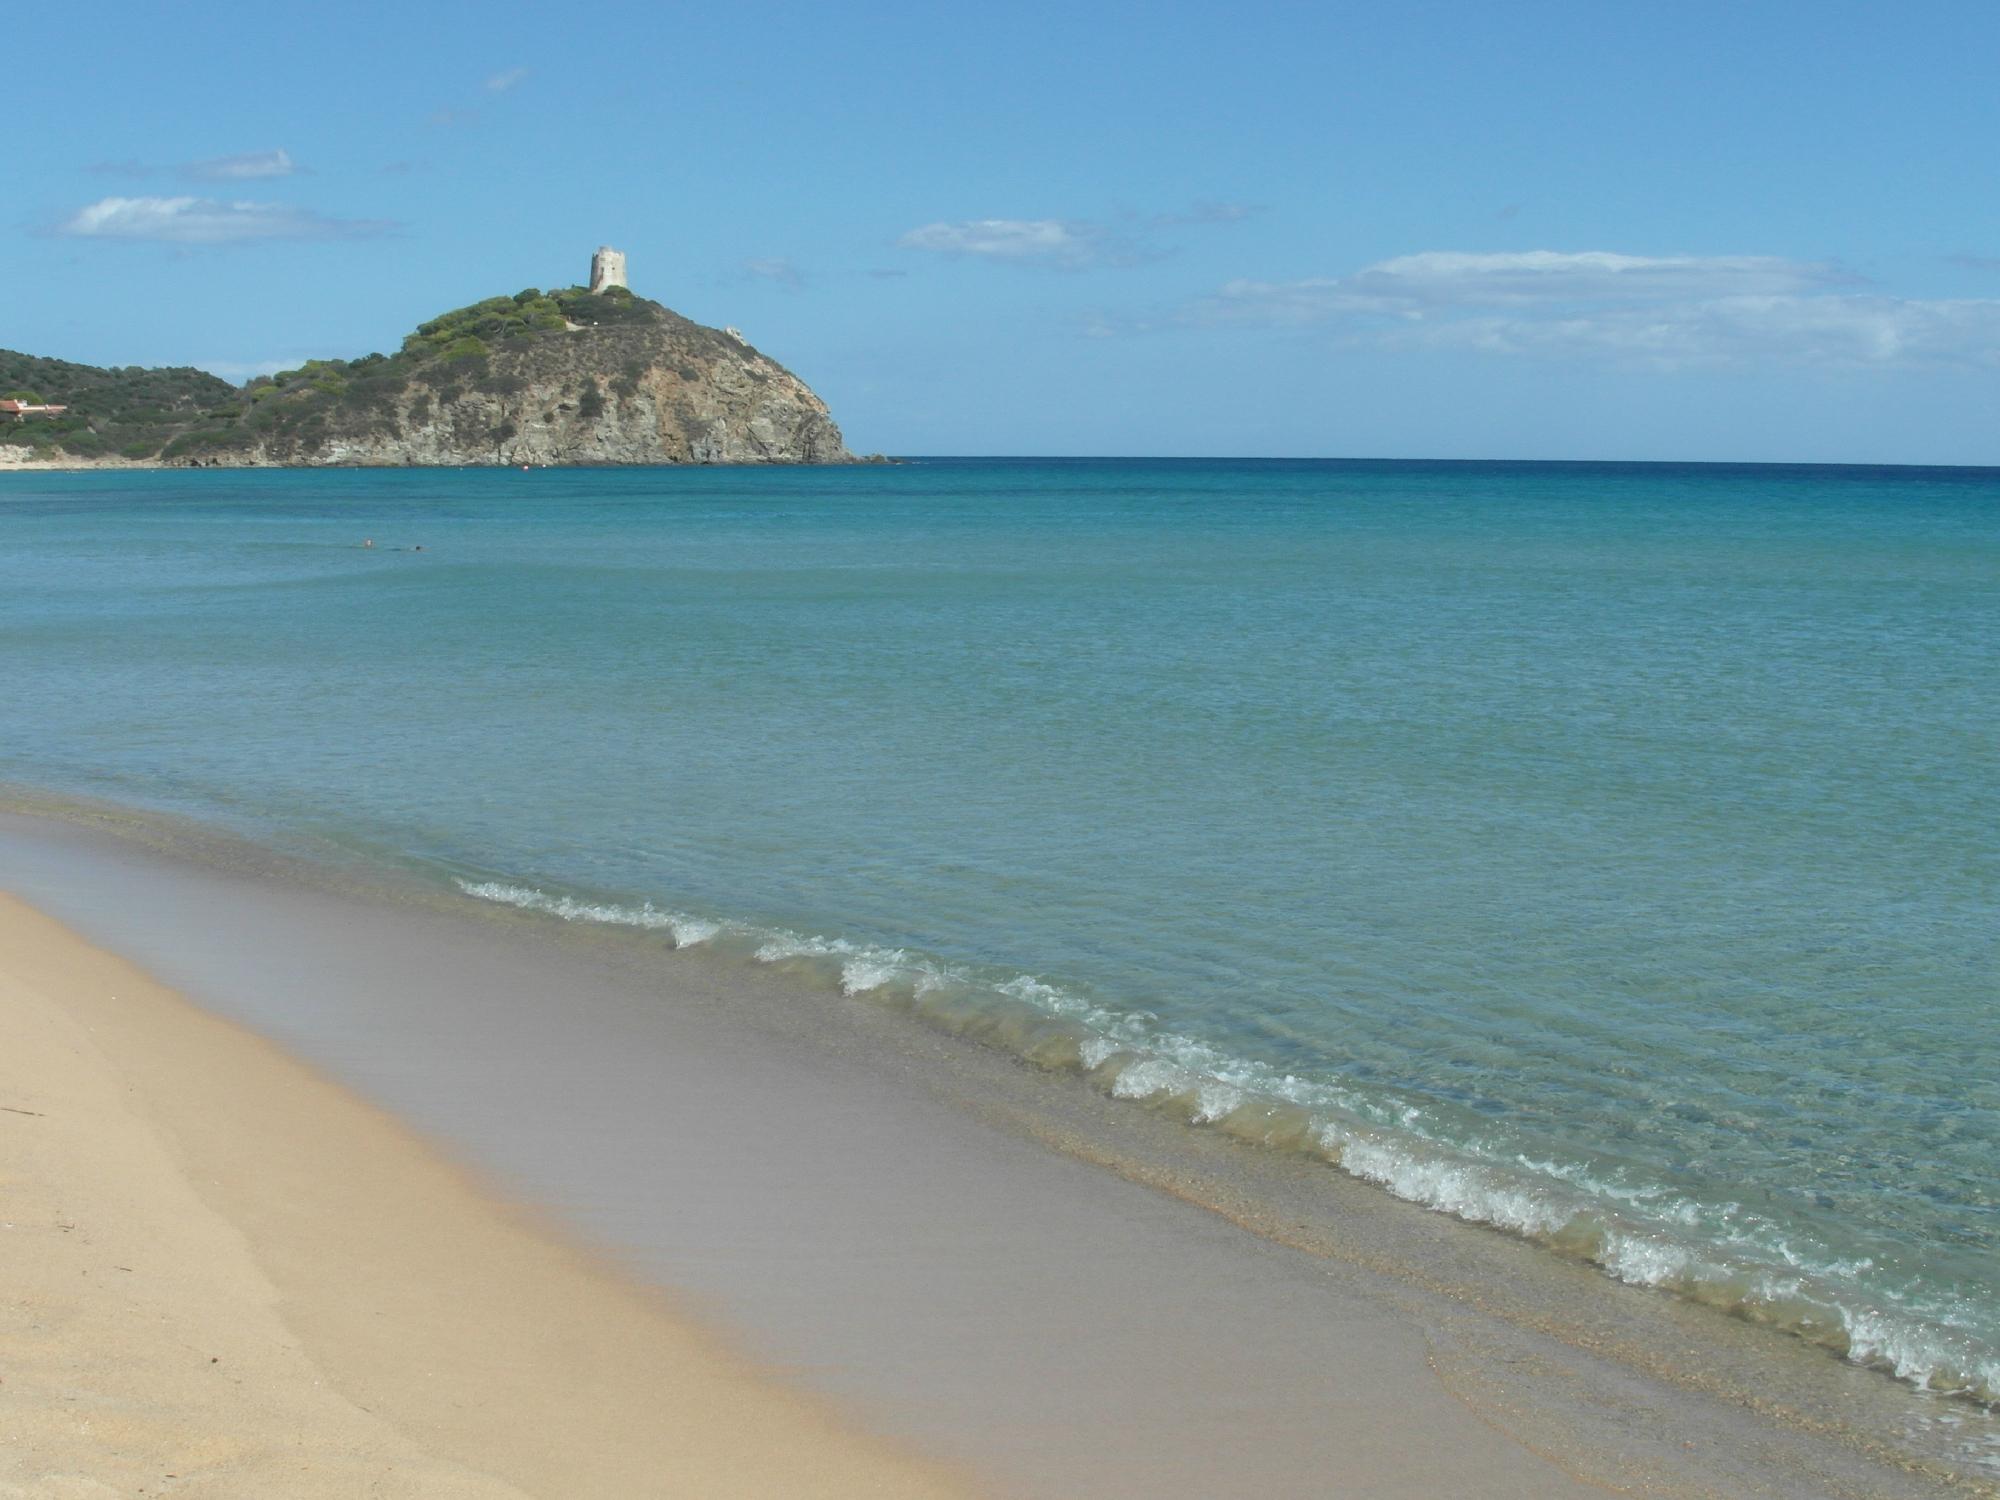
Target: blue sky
point(1698, 231)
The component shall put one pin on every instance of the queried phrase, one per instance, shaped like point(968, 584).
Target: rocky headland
point(563, 377)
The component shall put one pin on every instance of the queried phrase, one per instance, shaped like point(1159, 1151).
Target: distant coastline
point(576, 376)
point(12, 462)
point(17, 460)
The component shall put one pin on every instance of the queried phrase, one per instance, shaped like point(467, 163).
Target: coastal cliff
point(563, 377)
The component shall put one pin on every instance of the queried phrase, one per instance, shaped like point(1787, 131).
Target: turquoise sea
point(1609, 853)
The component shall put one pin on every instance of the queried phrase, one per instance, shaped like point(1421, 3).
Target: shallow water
point(1605, 852)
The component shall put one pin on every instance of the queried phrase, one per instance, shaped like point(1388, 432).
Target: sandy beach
point(679, 1233)
point(1274, 781)
point(226, 1277)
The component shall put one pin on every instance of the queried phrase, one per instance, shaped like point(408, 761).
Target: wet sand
point(224, 1276)
point(874, 1217)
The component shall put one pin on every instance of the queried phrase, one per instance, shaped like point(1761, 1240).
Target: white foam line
point(1645, 1235)
point(686, 931)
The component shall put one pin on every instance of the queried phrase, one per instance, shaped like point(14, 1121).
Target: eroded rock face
point(661, 390)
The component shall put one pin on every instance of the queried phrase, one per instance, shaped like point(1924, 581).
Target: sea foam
point(685, 931)
point(1641, 1234)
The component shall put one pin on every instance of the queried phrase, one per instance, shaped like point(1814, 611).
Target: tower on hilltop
point(607, 269)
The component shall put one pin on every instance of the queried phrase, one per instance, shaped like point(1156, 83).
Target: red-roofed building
point(20, 411)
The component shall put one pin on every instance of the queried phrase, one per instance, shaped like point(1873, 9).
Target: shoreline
point(10, 464)
point(228, 1276)
point(1404, 1328)
point(12, 461)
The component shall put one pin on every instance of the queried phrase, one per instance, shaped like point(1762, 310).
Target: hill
point(130, 412)
point(561, 377)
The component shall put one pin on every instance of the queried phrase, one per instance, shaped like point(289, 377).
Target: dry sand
point(224, 1276)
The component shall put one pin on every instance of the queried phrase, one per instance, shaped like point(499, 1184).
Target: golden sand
point(221, 1275)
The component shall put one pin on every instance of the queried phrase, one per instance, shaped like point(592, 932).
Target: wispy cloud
point(776, 268)
point(245, 166)
point(506, 79)
point(1828, 330)
point(1540, 283)
point(1049, 241)
point(1660, 311)
point(1452, 277)
point(1066, 244)
point(208, 221)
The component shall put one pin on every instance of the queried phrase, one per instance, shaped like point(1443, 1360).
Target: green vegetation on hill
point(187, 413)
point(128, 411)
point(498, 320)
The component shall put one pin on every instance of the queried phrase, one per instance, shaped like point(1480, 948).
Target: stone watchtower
point(607, 269)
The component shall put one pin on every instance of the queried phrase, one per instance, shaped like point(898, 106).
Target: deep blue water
point(1607, 852)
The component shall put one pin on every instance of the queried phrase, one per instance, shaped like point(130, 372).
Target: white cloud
point(1664, 311)
point(1828, 330)
point(1437, 281)
point(1051, 241)
point(1446, 276)
point(502, 81)
point(1130, 239)
point(243, 167)
point(206, 221)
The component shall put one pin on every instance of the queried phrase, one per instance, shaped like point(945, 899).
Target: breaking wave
point(1719, 1254)
point(685, 931)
